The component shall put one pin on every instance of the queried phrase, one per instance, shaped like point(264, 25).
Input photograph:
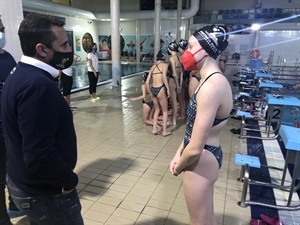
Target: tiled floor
point(123, 168)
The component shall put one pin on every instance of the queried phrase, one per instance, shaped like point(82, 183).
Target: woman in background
point(194, 81)
point(93, 71)
point(183, 96)
point(199, 155)
point(66, 80)
point(158, 85)
point(223, 60)
point(175, 79)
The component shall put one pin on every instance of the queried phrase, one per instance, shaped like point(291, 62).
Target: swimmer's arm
point(148, 80)
point(143, 96)
point(165, 80)
point(207, 106)
point(179, 150)
point(174, 73)
point(181, 78)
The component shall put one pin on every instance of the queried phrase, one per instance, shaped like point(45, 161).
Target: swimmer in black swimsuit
point(222, 60)
point(158, 85)
point(156, 90)
point(199, 155)
point(191, 112)
point(148, 106)
point(184, 94)
point(194, 82)
point(176, 75)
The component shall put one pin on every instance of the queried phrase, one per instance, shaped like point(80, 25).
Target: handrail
point(240, 16)
point(76, 59)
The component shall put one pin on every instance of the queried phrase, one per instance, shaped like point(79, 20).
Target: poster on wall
point(70, 38)
point(78, 43)
point(103, 42)
point(168, 38)
point(239, 28)
point(147, 43)
point(130, 45)
point(104, 50)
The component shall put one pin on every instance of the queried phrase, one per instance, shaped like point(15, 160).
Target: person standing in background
point(183, 96)
point(223, 60)
point(148, 105)
point(66, 79)
point(38, 127)
point(158, 86)
point(200, 155)
point(7, 64)
point(93, 71)
point(175, 79)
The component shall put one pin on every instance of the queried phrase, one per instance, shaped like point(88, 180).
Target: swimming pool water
point(80, 77)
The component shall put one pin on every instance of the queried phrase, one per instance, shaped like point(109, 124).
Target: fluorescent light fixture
point(77, 28)
point(255, 26)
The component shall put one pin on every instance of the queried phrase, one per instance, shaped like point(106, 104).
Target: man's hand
point(64, 192)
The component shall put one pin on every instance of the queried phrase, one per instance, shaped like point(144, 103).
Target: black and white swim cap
point(173, 46)
point(213, 39)
point(183, 44)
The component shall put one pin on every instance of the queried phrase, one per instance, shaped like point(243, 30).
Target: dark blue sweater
point(7, 63)
point(39, 133)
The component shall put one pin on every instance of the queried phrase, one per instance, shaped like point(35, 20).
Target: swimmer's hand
point(172, 166)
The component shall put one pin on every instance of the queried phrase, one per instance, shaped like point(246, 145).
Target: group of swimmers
point(167, 84)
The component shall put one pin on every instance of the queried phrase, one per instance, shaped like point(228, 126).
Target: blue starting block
point(242, 159)
point(242, 113)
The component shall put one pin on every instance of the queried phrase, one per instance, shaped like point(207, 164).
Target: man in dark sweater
point(7, 63)
point(38, 127)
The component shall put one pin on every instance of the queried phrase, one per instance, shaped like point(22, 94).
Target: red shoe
point(297, 124)
point(271, 221)
point(257, 222)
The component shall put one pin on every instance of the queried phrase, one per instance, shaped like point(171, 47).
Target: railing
point(248, 16)
point(76, 59)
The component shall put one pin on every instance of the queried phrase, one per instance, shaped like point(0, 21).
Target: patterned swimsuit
point(191, 115)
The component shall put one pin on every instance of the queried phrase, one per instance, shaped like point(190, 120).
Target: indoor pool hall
point(81, 81)
point(123, 168)
point(186, 148)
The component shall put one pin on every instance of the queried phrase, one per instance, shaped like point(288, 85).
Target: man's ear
point(41, 50)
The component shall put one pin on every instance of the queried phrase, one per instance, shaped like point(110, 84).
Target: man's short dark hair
point(37, 28)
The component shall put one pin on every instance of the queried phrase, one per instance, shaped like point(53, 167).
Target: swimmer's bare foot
point(171, 123)
point(166, 134)
point(155, 132)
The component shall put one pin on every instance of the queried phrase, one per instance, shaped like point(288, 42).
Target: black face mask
point(61, 60)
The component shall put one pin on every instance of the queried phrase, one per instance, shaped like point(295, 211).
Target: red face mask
point(188, 60)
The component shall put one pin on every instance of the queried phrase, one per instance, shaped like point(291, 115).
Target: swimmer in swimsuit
point(158, 85)
point(194, 81)
point(199, 155)
point(222, 60)
point(175, 79)
point(148, 105)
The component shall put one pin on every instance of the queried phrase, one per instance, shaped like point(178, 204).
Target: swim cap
point(173, 47)
point(145, 75)
point(213, 39)
point(183, 44)
point(160, 56)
